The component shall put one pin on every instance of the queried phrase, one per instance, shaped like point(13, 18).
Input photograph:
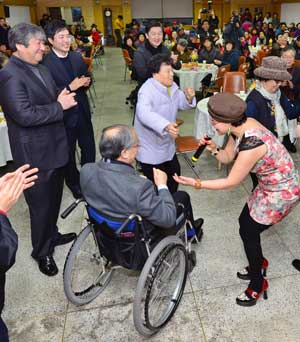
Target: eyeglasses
point(134, 146)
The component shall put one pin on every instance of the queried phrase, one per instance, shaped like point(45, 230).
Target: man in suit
point(12, 186)
point(34, 113)
point(69, 71)
point(113, 187)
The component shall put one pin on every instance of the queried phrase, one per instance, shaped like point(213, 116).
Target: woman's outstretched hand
point(184, 180)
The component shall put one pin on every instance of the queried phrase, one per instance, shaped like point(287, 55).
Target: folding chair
point(128, 62)
point(234, 82)
point(184, 145)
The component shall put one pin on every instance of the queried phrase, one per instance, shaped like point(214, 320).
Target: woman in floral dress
point(254, 149)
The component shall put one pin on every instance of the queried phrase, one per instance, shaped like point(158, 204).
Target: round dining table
point(5, 152)
point(192, 75)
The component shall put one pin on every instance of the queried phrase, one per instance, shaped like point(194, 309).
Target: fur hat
point(273, 68)
point(226, 107)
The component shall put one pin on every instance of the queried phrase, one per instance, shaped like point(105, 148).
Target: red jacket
point(96, 37)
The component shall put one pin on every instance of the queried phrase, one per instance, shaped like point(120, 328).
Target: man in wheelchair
point(113, 188)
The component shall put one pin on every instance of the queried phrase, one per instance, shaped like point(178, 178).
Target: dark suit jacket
point(8, 247)
point(62, 80)
point(34, 117)
point(117, 191)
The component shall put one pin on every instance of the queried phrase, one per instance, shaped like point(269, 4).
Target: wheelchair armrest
point(124, 225)
point(179, 219)
point(68, 211)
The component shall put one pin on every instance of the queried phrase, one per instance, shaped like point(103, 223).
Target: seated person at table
point(209, 52)
point(116, 190)
point(129, 46)
point(231, 56)
point(181, 50)
point(158, 102)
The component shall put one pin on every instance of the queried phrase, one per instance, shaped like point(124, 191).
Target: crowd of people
point(207, 41)
point(43, 97)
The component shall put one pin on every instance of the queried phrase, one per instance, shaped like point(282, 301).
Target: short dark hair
point(286, 49)
point(120, 17)
point(53, 27)
point(153, 24)
point(240, 122)
point(157, 60)
point(230, 42)
point(115, 139)
point(22, 33)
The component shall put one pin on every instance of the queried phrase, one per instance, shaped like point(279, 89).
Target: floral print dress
point(278, 189)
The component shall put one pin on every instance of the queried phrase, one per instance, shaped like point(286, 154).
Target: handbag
point(8, 244)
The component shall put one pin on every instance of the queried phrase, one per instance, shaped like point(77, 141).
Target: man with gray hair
point(114, 189)
point(34, 114)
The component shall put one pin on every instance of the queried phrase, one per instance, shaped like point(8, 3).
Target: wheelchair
point(105, 245)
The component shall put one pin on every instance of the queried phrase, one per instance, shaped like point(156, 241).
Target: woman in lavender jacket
point(158, 102)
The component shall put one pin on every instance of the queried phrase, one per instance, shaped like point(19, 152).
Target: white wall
point(162, 8)
point(290, 13)
point(18, 14)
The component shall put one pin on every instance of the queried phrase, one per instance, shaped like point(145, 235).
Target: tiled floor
point(36, 307)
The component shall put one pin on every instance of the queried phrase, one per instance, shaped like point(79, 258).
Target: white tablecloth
point(193, 78)
point(5, 153)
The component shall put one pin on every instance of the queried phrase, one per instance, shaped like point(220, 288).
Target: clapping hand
point(79, 82)
point(172, 130)
point(13, 184)
point(160, 177)
point(189, 94)
point(66, 99)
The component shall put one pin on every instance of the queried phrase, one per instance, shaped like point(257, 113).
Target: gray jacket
point(116, 191)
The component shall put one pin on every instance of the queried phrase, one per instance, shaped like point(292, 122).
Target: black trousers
point(44, 200)
point(83, 133)
point(169, 167)
point(119, 37)
point(250, 231)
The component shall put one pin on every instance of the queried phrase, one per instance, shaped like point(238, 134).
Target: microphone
point(199, 151)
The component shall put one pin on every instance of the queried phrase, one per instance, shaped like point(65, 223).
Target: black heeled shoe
point(250, 297)
point(244, 274)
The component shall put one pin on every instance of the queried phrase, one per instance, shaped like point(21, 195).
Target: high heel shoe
point(244, 274)
point(250, 297)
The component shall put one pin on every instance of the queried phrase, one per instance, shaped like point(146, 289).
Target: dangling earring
point(229, 131)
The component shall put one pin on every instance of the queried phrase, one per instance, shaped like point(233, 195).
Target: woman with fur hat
point(255, 149)
point(268, 105)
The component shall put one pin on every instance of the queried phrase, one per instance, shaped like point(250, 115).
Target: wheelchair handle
point(67, 211)
point(130, 218)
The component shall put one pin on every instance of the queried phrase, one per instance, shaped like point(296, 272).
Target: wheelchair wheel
point(86, 272)
point(160, 286)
